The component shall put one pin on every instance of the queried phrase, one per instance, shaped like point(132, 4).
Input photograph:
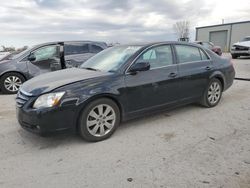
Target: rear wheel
point(234, 56)
point(99, 120)
point(11, 82)
point(213, 93)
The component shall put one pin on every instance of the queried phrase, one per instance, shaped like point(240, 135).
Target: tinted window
point(203, 55)
point(246, 39)
point(187, 53)
point(45, 53)
point(96, 49)
point(71, 49)
point(157, 57)
point(150, 54)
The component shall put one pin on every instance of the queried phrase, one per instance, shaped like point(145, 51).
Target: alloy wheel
point(214, 93)
point(12, 83)
point(101, 120)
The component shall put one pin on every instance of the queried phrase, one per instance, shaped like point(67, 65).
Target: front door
point(47, 59)
point(155, 87)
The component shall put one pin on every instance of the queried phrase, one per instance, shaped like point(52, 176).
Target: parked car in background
point(9, 55)
point(241, 48)
point(121, 83)
point(44, 58)
point(3, 55)
point(210, 46)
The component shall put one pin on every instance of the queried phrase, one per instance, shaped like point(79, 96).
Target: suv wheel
point(99, 120)
point(234, 56)
point(213, 93)
point(11, 82)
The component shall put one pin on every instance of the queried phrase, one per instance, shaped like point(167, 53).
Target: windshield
point(246, 39)
point(19, 54)
point(111, 59)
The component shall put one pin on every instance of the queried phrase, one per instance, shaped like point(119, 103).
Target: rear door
point(155, 87)
point(76, 53)
point(47, 59)
point(194, 67)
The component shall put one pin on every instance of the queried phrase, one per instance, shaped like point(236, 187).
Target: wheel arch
point(17, 72)
point(218, 75)
point(99, 96)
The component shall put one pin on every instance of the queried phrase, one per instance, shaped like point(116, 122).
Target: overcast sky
point(28, 22)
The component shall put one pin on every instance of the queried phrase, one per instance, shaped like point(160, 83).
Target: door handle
point(208, 68)
point(172, 74)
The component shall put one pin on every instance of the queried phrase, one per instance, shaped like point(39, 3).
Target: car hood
point(5, 61)
point(50, 81)
point(244, 43)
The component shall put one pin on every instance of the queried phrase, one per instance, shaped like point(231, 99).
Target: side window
point(95, 48)
point(150, 54)
point(46, 53)
point(71, 49)
point(203, 55)
point(187, 53)
point(157, 56)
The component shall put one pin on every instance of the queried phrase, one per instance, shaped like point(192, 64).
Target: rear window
point(203, 55)
point(95, 48)
point(187, 53)
point(71, 49)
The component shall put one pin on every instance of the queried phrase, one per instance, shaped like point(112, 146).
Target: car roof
point(160, 43)
point(62, 42)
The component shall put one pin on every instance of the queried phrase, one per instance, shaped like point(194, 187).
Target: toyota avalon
point(122, 83)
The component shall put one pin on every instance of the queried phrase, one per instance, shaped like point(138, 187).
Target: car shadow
point(50, 141)
point(244, 57)
point(159, 115)
point(1, 93)
point(65, 139)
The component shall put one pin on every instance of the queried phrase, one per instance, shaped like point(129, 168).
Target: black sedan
point(121, 83)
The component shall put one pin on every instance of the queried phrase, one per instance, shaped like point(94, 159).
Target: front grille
point(241, 47)
point(21, 98)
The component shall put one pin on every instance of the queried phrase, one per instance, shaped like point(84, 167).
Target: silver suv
point(241, 48)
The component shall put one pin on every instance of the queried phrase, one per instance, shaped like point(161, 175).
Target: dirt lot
point(190, 146)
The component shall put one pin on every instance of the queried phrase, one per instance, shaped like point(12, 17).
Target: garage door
point(219, 38)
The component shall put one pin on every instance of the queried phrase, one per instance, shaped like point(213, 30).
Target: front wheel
point(99, 120)
point(11, 82)
point(213, 93)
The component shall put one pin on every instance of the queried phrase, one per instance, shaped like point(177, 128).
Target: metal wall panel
point(219, 38)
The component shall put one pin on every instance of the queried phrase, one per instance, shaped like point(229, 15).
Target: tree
point(8, 49)
point(182, 30)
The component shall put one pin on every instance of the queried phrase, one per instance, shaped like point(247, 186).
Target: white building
point(224, 35)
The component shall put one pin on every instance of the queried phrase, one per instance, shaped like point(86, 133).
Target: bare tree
point(8, 49)
point(182, 30)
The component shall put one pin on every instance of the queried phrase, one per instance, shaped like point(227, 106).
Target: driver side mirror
point(31, 57)
point(142, 66)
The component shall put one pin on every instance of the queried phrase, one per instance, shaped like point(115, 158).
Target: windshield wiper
point(89, 68)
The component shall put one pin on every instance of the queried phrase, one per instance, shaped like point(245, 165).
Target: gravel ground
point(190, 146)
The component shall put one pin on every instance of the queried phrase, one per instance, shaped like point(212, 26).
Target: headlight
point(233, 47)
point(48, 100)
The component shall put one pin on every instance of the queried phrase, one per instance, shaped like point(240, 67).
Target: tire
point(212, 94)
point(96, 126)
point(234, 56)
point(11, 82)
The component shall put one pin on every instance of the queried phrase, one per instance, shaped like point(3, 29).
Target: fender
point(220, 76)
